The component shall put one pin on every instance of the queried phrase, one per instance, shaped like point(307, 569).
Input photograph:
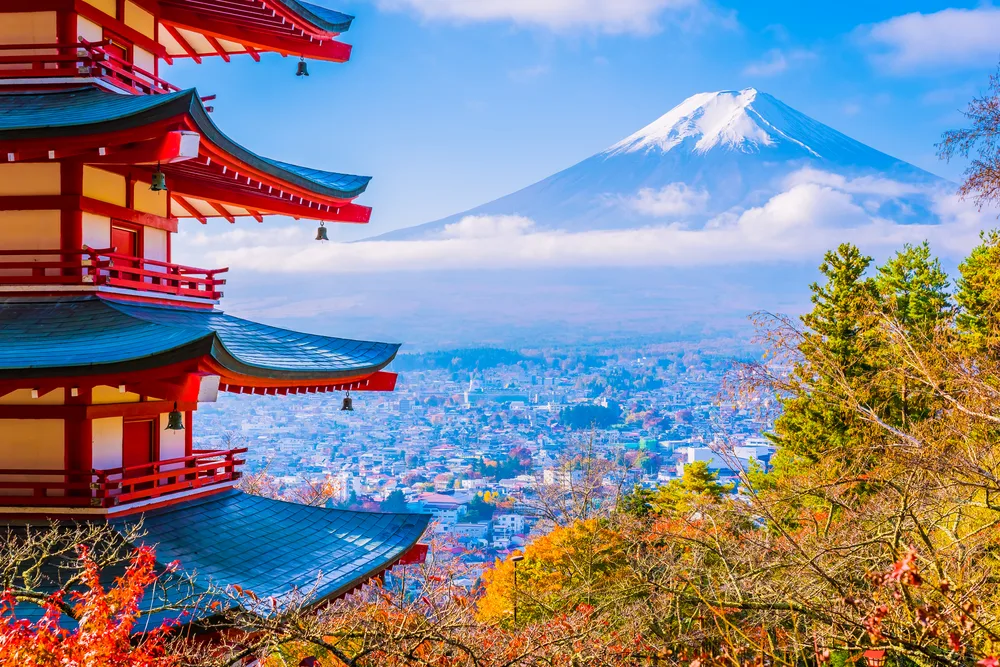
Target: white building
point(564, 478)
point(509, 524)
point(737, 460)
point(474, 530)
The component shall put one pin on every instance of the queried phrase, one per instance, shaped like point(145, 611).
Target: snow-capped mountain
point(703, 164)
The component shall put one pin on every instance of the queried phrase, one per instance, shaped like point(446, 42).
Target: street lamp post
point(516, 559)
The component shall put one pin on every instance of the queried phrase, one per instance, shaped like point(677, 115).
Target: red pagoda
point(107, 345)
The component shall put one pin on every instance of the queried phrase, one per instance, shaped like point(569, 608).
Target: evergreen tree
point(914, 292)
point(394, 503)
point(978, 295)
point(836, 348)
point(914, 288)
point(699, 482)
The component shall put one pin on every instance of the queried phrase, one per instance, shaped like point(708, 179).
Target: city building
point(510, 524)
point(567, 479)
point(108, 346)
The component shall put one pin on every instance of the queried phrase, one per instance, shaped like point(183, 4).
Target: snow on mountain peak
point(739, 120)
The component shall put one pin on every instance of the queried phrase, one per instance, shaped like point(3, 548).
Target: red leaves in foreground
point(904, 571)
point(104, 622)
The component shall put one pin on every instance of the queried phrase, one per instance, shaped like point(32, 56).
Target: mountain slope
point(714, 155)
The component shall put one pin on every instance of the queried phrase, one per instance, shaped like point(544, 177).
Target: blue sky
point(451, 103)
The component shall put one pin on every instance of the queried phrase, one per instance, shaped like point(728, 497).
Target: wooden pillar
point(66, 28)
point(71, 221)
point(188, 435)
point(79, 441)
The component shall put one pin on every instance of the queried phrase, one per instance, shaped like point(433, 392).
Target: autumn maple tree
point(91, 627)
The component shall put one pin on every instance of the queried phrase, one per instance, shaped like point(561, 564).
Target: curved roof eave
point(79, 112)
point(61, 339)
point(329, 552)
point(353, 185)
point(229, 362)
point(329, 20)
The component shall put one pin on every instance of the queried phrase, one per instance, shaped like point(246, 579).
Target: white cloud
point(951, 37)
point(777, 61)
point(610, 16)
point(870, 185)
point(487, 227)
point(804, 207)
point(673, 200)
point(811, 212)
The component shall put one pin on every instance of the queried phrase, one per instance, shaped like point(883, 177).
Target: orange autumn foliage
point(572, 565)
point(105, 621)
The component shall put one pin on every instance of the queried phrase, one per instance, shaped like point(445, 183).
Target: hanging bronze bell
point(321, 233)
point(302, 70)
point(158, 183)
point(175, 420)
point(348, 405)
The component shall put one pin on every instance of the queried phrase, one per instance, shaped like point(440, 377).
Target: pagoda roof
point(70, 337)
point(330, 20)
point(79, 112)
point(270, 547)
point(273, 547)
point(197, 29)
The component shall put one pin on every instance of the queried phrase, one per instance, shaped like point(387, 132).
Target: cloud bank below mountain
point(814, 211)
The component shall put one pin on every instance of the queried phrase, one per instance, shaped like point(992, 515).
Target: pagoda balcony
point(113, 489)
point(41, 64)
point(100, 269)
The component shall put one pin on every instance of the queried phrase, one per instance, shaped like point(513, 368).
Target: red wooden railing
point(118, 486)
point(82, 59)
point(107, 267)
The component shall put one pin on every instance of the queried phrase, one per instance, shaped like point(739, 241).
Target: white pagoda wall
point(107, 442)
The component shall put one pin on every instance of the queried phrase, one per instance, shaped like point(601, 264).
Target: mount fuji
point(722, 207)
point(702, 165)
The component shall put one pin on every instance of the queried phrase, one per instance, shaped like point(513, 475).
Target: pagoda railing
point(105, 267)
point(113, 487)
point(72, 60)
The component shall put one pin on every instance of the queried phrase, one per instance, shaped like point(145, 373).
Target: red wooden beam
point(38, 6)
point(91, 13)
point(223, 213)
point(255, 215)
point(175, 146)
point(87, 205)
point(184, 204)
point(243, 14)
point(329, 50)
point(128, 410)
point(253, 53)
point(188, 49)
point(218, 47)
point(416, 555)
point(248, 199)
point(185, 390)
point(168, 372)
point(380, 381)
point(22, 148)
point(97, 207)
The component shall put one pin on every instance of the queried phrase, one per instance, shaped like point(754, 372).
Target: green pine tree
point(914, 292)
point(978, 295)
point(837, 348)
point(914, 288)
